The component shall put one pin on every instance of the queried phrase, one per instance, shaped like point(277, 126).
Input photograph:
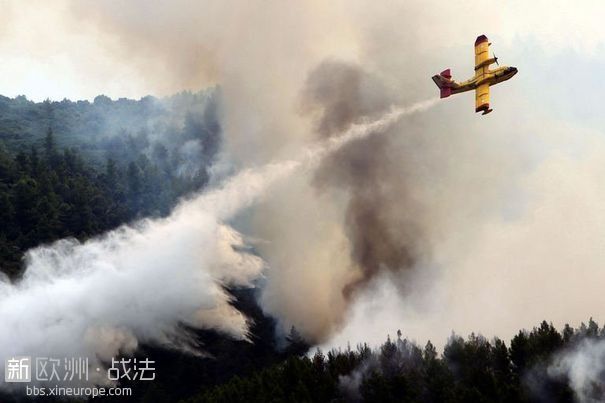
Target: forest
point(469, 370)
point(88, 168)
point(78, 169)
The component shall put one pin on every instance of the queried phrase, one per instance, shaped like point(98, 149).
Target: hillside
point(77, 169)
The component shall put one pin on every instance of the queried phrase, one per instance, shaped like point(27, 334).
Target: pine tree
point(50, 146)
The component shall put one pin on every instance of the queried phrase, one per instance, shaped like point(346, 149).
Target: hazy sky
point(47, 53)
point(50, 49)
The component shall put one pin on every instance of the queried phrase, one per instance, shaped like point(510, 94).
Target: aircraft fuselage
point(484, 75)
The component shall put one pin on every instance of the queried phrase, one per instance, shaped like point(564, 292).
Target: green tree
point(50, 146)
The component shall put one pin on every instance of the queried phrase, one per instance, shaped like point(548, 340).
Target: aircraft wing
point(481, 51)
point(482, 99)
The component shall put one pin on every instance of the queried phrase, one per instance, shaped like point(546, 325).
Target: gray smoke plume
point(380, 217)
point(482, 197)
point(139, 284)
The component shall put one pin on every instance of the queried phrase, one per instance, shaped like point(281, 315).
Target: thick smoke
point(477, 198)
point(261, 58)
point(494, 210)
point(140, 284)
point(380, 216)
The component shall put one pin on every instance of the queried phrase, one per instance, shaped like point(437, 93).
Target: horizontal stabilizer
point(443, 80)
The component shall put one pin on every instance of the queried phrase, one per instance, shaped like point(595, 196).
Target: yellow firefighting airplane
point(484, 77)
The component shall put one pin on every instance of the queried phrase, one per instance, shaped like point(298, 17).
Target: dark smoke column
point(380, 214)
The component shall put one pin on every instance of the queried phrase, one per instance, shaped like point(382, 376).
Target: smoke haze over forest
point(442, 221)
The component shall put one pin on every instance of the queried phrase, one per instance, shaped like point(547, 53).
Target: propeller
point(496, 60)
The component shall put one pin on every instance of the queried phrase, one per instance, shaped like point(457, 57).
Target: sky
point(50, 49)
point(528, 179)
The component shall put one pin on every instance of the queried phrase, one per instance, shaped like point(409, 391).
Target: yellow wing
point(482, 63)
point(481, 51)
point(482, 99)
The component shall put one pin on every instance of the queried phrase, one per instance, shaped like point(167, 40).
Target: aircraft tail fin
point(443, 80)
